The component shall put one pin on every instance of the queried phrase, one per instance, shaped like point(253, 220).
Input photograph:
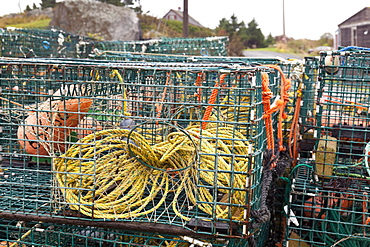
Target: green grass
point(33, 24)
point(278, 49)
point(273, 49)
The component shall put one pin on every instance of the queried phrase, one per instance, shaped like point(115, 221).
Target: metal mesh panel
point(308, 109)
point(44, 234)
point(332, 213)
point(292, 69)
point(329, 191)
point(163, 144)
point(17, 42)
point(343, 118)
point(210, 46)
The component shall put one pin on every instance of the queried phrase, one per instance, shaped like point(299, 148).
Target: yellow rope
point(103, 176)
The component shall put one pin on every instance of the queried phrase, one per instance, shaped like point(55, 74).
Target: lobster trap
point(209, 46)
point(343, 114)
point(23, 233)
point(308, 100)
point(293, 70)
point(17, 42)
point(330, 213)
point(134, 145)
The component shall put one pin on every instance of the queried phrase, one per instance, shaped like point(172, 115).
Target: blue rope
point(355, 48)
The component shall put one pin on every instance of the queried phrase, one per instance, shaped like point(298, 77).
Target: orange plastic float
point(44, 131)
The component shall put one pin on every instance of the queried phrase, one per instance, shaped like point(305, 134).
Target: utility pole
point(284, 37)
point(185, 20)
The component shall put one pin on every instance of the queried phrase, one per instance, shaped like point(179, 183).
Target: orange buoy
point(45, 132)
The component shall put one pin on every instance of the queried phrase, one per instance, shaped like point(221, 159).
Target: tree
point(256, 38)
point(27, 8)
point(326, 40)
point(269, 40)
point(236, 33)
point(34, 6)
point(47, 3)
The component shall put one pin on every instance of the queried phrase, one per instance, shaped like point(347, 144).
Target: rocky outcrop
point(85, 17)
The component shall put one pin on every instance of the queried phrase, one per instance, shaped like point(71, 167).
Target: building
point(177, 15)
point(355, 31)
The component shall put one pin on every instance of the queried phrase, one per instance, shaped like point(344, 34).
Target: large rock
point(84, 17)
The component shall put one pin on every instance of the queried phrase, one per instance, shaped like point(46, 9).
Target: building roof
point(192, 21)
point(353, 17)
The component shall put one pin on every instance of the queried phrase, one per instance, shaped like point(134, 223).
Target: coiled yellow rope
point(106, 176)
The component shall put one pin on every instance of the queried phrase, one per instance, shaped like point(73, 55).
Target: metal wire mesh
point(171, 144)
point(292, 70)
point(329, 191)
point(332, 213)
point(308, 110)
point(343, 116)
point(17, 42)
point(46, 234)
point(209, 46)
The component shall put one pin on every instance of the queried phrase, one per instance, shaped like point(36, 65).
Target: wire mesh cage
point(23, 233)
point(343, 115)
point(334, 213)
point(17, 42)
point(159, 57)
point(209, 46)
point(43, 234)
point(163, 144)
point(292, 69)
point(307, 113)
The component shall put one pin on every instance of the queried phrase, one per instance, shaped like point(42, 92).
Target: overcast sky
point(303, 18)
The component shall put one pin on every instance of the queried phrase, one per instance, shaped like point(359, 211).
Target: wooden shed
point(355, 31)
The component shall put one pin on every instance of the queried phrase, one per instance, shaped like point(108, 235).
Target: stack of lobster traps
point(208, 46)
point(329, 190)
point(51, 43)
point(123, 153)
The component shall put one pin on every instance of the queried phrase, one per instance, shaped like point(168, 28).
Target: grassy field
point(34, 24)
point(24, 21)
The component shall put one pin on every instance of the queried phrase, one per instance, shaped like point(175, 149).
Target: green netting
point(209, 46)
point(327, 213)
point(175, 144)
point(17, 42)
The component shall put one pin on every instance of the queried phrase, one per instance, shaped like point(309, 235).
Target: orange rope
point(12, 102)
point(198, 83)
point(293, 135)
point(281, 103)
point(365, 220)
point(211, 101)
point(159, 106)
point(354, 104)
point(266, 96)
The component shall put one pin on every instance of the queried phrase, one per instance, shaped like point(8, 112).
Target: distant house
point(177, 15)
point(355, 31)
